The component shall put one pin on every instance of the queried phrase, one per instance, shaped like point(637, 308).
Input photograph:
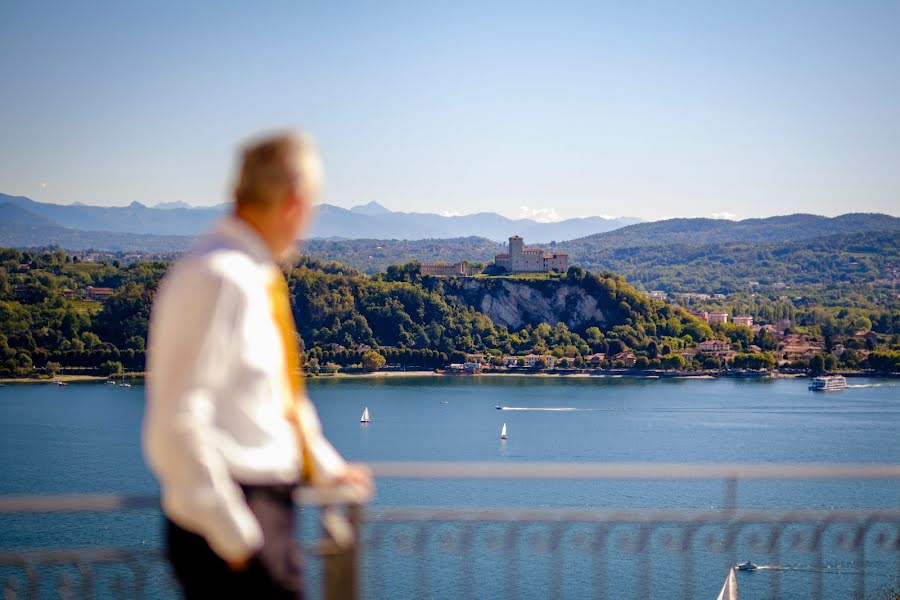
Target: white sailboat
point(365, 416)
point(503, 432)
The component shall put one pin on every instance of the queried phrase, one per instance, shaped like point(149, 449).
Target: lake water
point(84, 438)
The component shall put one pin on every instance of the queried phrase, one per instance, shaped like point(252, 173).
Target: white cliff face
point(516, 304)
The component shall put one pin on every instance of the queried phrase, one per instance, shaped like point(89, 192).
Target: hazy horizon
point(651, 111)
point(539, 219)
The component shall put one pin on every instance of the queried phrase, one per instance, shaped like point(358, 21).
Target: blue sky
point(626, 109)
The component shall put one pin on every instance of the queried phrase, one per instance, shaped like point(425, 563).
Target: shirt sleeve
point(327, 463)
point(192, 323)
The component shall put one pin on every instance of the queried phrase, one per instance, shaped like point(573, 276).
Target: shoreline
point(68, 378)
point(608, 374)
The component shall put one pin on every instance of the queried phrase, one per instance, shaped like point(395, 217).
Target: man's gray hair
point(274, 164)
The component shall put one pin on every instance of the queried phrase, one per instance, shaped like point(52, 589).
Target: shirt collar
point(245, 237)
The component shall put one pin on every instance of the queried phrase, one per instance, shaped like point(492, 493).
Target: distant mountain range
point(675, 254)
point(365, 221)
point(701, 254)
point(20, 228)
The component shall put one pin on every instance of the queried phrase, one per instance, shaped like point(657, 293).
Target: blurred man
point(228, 429)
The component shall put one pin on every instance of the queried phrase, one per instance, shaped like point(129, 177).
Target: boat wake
point(835, 569)
point(558, 409)
point(873, 385)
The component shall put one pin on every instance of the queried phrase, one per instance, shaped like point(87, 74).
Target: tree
point(862, 323)
point(111, 367)
point(52, 368)
point(23, 365)
point(594, 338)
point(332, 368)
point(615, 347)
point(816, 364)
point(756, 360)
point(765, 340)
point(312, 366)
point(90, 339)
point(672, 361)
point(135, 342)
point(711, 363)
point(372, 361)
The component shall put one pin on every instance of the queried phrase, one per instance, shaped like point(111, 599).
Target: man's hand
point(358, 477)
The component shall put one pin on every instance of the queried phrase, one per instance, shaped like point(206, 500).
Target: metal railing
point(526, 551)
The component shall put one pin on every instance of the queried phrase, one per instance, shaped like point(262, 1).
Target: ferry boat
point(828, 383)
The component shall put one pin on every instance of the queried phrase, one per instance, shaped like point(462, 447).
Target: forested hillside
point(50, 320)
point(830, 261)
point(46, 317)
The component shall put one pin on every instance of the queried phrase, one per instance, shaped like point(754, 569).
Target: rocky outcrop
point(516, 303)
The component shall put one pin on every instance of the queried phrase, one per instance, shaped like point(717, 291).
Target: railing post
point(340, 531)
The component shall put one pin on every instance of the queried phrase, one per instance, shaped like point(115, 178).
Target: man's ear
point(292, 205)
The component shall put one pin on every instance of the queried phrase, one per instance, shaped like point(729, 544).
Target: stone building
point(520, 259)
point(464, 269)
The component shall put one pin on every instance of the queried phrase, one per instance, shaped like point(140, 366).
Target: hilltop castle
point(519, 260)
point(530, 260)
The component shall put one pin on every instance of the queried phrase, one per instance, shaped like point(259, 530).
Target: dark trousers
point(273, 573)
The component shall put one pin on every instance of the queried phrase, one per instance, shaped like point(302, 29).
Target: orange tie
point(284, 319)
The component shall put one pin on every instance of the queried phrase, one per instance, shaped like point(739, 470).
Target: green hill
point(844, 260)
point(698, 232)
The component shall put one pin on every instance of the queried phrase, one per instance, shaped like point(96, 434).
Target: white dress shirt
point(217, 391)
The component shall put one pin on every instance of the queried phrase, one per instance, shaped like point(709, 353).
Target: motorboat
point(746, 566)
point(828, 383)
point(498, 407)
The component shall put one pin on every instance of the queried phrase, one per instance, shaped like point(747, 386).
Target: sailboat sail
point(729, 590)
point(365, 416)
point(503, 432)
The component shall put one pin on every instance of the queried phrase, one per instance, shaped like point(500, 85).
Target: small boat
point(746, 566)
point(498, 407)
point(365, 416)
point(61, 383)
point(123, 384)
point(828, 383)
point(110, 382)
point(503, 432)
